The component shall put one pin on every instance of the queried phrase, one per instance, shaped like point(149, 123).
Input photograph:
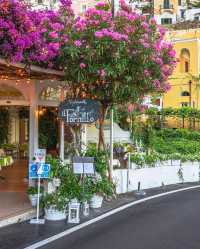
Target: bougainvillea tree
point(112, 59)
point(116, 59)
point(33, 37)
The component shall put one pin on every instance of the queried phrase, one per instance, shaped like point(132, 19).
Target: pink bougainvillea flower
point(102, 73)
point(131, 108)
point(53, 35)
point(82, 65)
point(77, 43)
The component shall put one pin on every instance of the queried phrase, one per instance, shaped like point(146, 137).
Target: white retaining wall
point(127, 180)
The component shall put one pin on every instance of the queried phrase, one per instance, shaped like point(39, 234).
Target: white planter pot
point(158, 164)
point(176, 162)
point(49, 187)
point(133, 166)
point(33, 199)
point(56, 182)
point(166, 163)
point(54, 214)
point(96, 201)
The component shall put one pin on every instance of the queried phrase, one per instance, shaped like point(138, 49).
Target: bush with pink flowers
point(112, 59)
point(33, 37)
point(124, 57)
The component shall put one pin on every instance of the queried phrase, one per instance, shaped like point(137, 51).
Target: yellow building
point(185, 81)
point(185, 89)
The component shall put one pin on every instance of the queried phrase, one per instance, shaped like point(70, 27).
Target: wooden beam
point(32, 69)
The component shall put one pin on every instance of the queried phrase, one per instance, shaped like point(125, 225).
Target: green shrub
point(100, 159)
point(34, 190)
point(169, 145)
point(56, 200)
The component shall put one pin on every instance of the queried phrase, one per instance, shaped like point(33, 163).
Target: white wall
point(127, 180)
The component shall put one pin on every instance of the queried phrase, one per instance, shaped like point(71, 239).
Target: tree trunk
point(101, 143)
point(75, 130)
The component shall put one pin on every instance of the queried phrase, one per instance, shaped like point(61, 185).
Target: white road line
point(103, 216)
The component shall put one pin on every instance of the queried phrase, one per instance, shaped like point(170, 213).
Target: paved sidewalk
point(21, 235)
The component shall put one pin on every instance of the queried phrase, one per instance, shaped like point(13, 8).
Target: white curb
point(103, 216)
point(26, 215)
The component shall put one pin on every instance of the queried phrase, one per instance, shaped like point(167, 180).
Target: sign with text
point(40, 155)
point(37, 170)
point(83, 165)
point(83, 111)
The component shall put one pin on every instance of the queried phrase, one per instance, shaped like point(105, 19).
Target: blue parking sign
point(39, 170)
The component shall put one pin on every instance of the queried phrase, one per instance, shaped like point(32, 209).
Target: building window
point(40, 1)
point(83, 8)
point(183, 104)
point(186, 66)
point(179, 2)
point(185, 60)
point(166, 21)
point(166, 4)
point(182, 14)
point(185, 94)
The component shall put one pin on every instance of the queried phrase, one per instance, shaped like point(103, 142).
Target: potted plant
point(100, 188)
point(33, 194)
point(165, 160)
point(55, 206)
point(137, 160)
point(150, 160)
point(176, 159)
point(56, 172)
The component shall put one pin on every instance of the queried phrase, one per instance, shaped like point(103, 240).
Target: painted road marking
point(103, 216)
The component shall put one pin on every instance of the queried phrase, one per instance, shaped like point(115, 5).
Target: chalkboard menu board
point(82, 111)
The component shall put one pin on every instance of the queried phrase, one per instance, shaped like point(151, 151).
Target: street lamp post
point(113, 7)
point(111, 116)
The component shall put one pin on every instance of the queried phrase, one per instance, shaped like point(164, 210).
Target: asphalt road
point(170, 222)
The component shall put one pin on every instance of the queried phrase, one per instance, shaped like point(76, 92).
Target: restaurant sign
point(82, 111)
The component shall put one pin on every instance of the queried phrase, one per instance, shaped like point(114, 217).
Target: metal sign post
point(37, 220)
point(111, 146)
point(37, 171)
point(128, 170)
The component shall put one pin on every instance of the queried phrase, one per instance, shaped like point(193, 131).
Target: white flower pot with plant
point(33, 195)
point(52, 213)
point(176, 162)
point(101, 188)
point(56, 182)
point(176, 159)
point(96, 201)
point(55, 206)
point(166, 163)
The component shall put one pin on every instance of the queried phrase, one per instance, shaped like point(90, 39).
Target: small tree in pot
point(33, 194)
